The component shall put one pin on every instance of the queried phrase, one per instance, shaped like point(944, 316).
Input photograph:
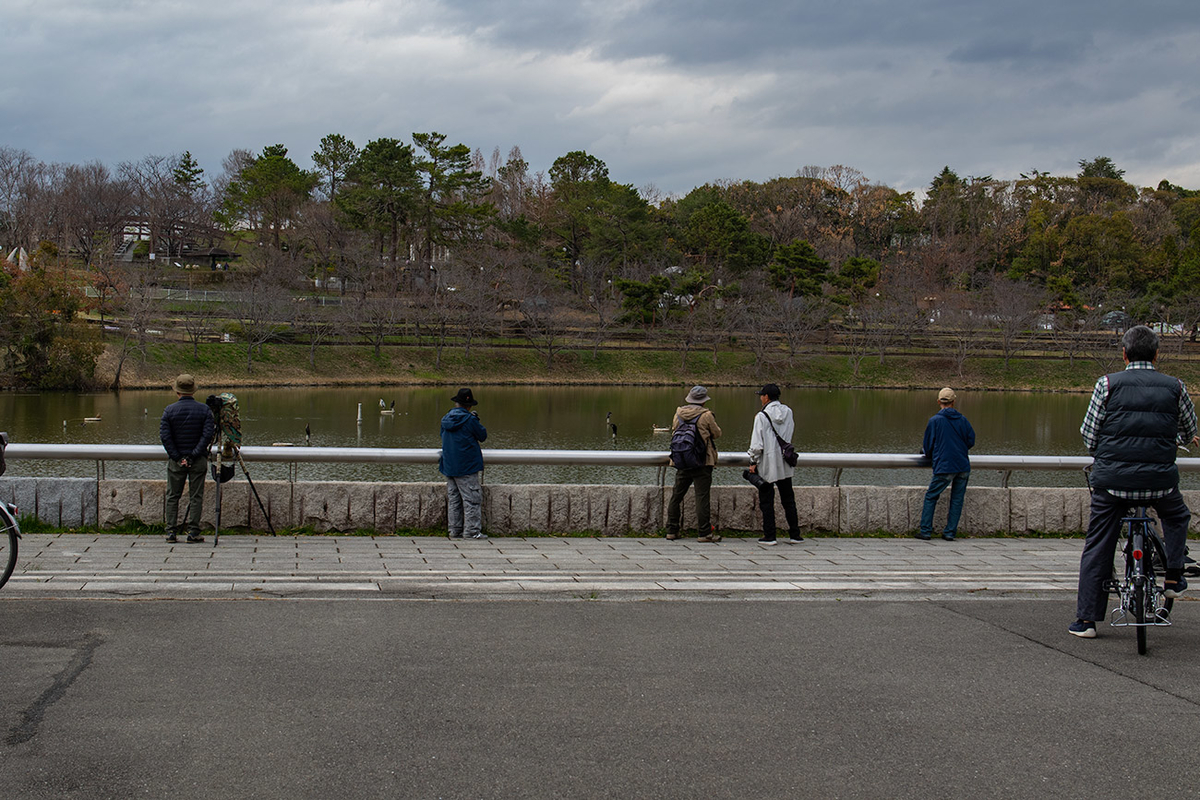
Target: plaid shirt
point(1098, 408)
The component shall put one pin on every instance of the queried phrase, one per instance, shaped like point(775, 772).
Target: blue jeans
point(957, 481)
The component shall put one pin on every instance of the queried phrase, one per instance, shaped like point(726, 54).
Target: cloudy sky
point(668, 93)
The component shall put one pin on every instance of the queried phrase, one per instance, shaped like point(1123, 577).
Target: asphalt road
point(356, 698)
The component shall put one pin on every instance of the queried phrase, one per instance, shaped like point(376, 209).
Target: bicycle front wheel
point(8, 554)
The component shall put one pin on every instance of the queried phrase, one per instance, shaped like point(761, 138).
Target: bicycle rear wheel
point(1139, 617)
point(8, 554)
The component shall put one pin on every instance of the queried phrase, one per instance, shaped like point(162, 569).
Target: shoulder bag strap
point(778, 438)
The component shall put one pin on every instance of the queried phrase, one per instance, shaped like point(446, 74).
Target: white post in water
point(360, 413)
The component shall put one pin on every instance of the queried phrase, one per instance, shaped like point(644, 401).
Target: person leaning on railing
point(1134, 423)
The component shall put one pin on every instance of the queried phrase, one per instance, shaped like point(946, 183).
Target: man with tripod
point(186, 429)
point(1134, 422)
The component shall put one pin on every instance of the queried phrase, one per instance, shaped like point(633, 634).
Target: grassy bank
point(289, 365)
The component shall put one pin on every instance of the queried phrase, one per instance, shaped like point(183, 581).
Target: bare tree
point(197, 322)
point(803, 322)
point(262, 303)
point(600, 298)
point(317, 323)
point(758, 316)
point(540, 306)
point(379, 318)
point(1012, 308)
point(960, 324)
point(137, 310)
point(95, 208)
point(20, 181)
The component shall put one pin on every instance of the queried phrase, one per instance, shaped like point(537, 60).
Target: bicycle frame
point(1142, 602)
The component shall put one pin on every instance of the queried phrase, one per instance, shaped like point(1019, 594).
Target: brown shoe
point(712, 537)
point(672, 536)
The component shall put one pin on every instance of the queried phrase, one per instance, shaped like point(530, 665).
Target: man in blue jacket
point(186, 429)
point(948, 437)
point(462, 464)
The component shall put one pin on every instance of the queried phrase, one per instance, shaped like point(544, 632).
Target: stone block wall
point(339, 506)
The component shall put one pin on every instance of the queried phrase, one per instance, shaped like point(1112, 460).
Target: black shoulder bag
point(789, 453)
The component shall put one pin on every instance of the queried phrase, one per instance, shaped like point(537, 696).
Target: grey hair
point(1140, 343)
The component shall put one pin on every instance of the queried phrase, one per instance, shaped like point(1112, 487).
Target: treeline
point(430, 238)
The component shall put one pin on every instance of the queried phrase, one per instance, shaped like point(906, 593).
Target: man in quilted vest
point(1134, 422)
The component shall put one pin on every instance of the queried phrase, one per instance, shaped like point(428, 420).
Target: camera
point(755, 479)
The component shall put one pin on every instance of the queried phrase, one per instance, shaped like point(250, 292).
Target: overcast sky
point(669, 93)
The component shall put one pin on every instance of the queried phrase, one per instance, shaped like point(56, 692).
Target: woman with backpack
point(694, 454)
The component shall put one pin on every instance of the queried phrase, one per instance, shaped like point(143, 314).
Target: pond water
point(557, 417)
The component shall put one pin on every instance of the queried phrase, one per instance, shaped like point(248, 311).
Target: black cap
point(464, 397)
point(770, 390)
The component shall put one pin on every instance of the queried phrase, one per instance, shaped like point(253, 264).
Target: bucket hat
point(185, 384)
point(464, 397)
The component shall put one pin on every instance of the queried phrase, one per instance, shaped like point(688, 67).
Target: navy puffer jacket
point(186, 429)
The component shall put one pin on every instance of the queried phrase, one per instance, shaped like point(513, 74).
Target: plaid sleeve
point(1187, 416)
point(1090, 428)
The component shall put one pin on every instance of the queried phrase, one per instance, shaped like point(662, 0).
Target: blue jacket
point(461, 434)
point(186, 428)
point(948, 437)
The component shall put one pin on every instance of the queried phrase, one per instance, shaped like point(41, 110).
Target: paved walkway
point(75, 565)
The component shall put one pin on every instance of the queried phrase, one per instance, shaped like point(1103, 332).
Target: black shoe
point(194, 539)
point(172, 538)
point(925, 537)
point(1175, 589)
point(765, 540)
point(949, 537)
point(796, 538)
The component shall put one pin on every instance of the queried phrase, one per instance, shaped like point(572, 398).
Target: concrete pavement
point(77, 565)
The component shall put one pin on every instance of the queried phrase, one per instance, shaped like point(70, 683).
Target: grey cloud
point(895, 89)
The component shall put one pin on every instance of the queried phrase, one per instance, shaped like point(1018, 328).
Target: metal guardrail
point(838, 462)
point(624, 458)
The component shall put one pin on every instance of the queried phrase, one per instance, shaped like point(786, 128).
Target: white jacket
point(764, 450)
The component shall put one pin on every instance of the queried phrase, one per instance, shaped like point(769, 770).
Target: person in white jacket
point(766, 460)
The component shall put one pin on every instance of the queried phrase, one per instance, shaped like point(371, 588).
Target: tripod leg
point(256, 497)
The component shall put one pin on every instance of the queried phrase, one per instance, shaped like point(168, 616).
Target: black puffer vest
point(1135, 448)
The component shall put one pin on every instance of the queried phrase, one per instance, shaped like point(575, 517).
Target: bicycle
point(1143, 603)
point(8, 519)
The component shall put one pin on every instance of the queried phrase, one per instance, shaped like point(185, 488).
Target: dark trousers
point(684, 478)
point(766, 503)
point(1096, 563)
point(194, 476)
